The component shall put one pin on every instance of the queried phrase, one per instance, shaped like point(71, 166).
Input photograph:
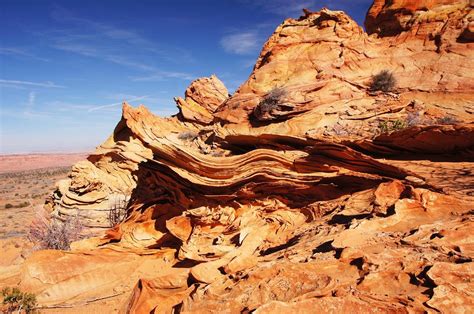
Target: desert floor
point(25, 182)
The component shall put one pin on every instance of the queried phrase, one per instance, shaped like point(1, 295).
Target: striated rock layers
point(305, 191)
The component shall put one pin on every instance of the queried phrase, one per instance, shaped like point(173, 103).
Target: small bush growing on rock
point(17, 301)
point(52, 234)
point(391, 126)
point(23, 204)
point(187, 135)
point(384, 81)
point(341, 130)
point(270, 108)
point(117, 211)
point(414, 118)
point(272, 99)
point(447, 120)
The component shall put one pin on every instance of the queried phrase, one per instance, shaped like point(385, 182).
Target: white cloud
point(13, 51)
point(112, 52)
point(31, 99)
point(120, 96)
point(241, 43)
point(15, 83)
point(67, 106)
point(163, 75)
point(78, 48)
point(27, 110)
point(101, 107)
point(116, 99)
point(90, 51)
point(110, 43)
point(130, 63)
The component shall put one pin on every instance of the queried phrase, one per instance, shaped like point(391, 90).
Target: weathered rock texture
point(337, 199)
point(202, 98)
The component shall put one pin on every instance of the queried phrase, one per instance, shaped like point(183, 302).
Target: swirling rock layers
point(340, 200)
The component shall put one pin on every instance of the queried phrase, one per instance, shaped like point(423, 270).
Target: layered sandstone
point(202, 98)
point(304, 204)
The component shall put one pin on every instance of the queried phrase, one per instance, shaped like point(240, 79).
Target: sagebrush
point(21, 205)
point(447, 120)
point(384, 81)
point(54, 234)
point(17, 301)
point(187, 135)
point(272, 99)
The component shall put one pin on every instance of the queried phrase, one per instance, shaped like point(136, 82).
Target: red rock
point(328, 305)
point(202, 98)
point(338, 198)
point(453, 292)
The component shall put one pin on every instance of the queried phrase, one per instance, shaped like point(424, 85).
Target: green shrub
point(392, 126)
point(18, 301)
point(383, 81)
point(23, 204)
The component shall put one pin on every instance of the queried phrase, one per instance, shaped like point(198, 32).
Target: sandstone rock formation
point(420, 18)
point(202, 98)
point(335, 199)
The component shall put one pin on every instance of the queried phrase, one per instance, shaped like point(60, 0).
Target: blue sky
point(66, 66)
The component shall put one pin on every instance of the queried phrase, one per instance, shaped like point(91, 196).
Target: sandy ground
point(14, 163)
point(25, 182)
